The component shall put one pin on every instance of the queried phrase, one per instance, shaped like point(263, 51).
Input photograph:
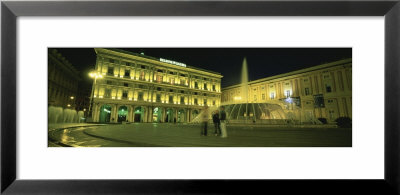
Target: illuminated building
point(323, 91)
point(139, 88)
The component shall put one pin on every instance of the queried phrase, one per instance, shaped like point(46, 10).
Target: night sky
point(262, 62)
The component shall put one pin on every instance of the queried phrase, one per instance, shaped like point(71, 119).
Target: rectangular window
point(109, 82)
point(263, 96)
point(140, 96)
point(110, 71)
point(213, 87)
point(205, 101)
point(126, 85)
point(112, 60)
point(159, 78)
point(213, 102)
point(125, 95)
point(142, 75)
point(172, 80)
point(158, 98)
point(171, 99)
point(328, 88)
point(107, 93)
point(307, 91)
point(127, 73)
point(195, 101)
point(205, 86)
point(182, 100)
point(196, 86)
point(255, 97)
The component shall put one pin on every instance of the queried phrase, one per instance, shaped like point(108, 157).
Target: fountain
point(272, 112)
point(244, 82)
point(280, 112)
point(61, 115)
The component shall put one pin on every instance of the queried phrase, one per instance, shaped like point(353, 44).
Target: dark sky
point(262, 62)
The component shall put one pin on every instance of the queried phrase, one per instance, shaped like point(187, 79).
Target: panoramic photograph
point(199, 97)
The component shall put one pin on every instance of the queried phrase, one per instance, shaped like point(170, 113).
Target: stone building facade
point(323, 91)
point(63, 81)
point(139, 88)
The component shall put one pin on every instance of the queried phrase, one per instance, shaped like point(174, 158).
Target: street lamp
point(95, 75)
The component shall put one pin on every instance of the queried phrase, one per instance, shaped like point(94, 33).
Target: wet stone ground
point(188, 135)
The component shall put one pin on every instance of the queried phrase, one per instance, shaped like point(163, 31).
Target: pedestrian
point(166, 119)
point(222, 118)
point(204, 121)
point(216, 122)
point(174, 120)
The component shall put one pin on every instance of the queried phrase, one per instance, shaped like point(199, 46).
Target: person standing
point(204, 121)
point(216, 122)
point(222, 118)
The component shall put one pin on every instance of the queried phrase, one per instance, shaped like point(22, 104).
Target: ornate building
point(323, 91)
point(139, 88)
point(63, 81)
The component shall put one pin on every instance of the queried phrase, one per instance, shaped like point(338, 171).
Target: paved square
point(188, 135)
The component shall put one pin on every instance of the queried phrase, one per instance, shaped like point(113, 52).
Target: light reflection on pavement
point(188, 135)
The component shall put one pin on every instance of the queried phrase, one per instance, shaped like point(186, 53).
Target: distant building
point(83, 98)
point(139, 88)
point(63, 81)
point(323, 91)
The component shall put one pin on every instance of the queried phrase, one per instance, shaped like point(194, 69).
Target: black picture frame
point(10, 10)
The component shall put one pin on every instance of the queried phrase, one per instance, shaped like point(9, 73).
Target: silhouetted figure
point(204, 121)
point(174, 120)
point(166, 119)
point(222, 118)
point(217, 123)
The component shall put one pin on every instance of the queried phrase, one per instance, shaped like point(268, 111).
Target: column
point(322, 86)
point(315, 86)
point(130, 113)
point(151, 113)
point(339, 79)
point(94, 112)
point(186, 115)
point(114, 113)
point(176, 114)
point(163, 114)
point(339, 107)
point(344, 78)
point(312, 90)
point(345, 107)
point(190, 115)
point(334, 83)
